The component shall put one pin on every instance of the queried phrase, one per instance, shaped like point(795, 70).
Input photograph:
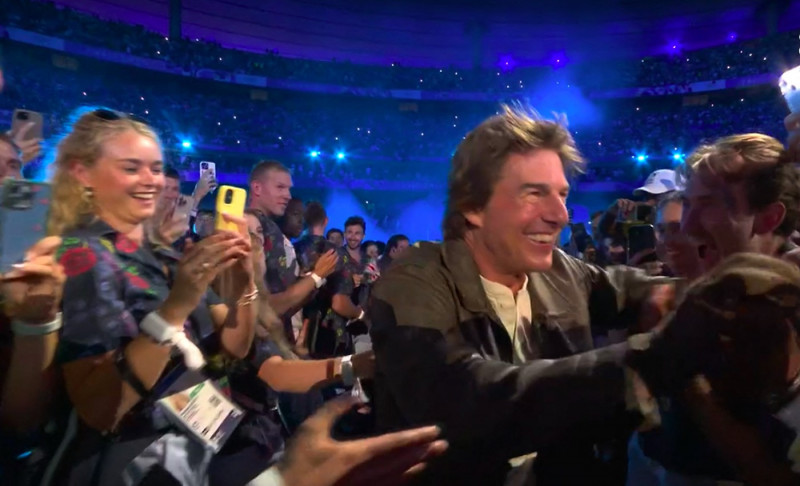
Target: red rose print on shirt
point(77, 261)
point(137, 281)
point(125, 244)
point(267, 244)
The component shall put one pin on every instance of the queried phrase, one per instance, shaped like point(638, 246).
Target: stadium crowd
point(148, 337)
point(676, 67)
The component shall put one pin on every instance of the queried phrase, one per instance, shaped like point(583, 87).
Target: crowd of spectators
point(734, 59)
point(362, 142)
point(359, 143)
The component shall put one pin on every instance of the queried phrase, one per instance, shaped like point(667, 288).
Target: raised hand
point(314, 458)
point(32, 290)
point(32, 148)
point(326, 263)
point(239, 278)
point(200, 265)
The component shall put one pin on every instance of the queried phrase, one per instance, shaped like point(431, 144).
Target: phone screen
point(641, 237)
point(24, 207)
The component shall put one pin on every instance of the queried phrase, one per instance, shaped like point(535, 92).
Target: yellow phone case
point(230, 200)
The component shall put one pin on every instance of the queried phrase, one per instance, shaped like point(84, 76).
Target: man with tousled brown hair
point(478, 333)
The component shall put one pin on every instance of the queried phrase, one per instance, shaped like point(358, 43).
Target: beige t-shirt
point(515, 313)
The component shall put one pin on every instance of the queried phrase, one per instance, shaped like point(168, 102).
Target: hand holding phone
point(209, 168)
point(641, 239)
point(29, 124)
point(230, 200)
point(205, 184)
point(789, 84)
point(32, 291)
point(580, 237)
point(24, 207)
point(183, 207)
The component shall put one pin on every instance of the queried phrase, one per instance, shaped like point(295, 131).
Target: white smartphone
point(209, 167)
point(183, 207)
point(790, 88)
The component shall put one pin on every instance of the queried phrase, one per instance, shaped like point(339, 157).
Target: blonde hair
point(735, 157)
point(83, 144)
point(481, 156)
point(757, 161)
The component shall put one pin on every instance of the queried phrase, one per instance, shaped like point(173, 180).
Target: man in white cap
point(657, 186)
point(658, 183)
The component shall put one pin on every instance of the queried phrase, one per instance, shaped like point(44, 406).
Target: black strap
point(129, 376)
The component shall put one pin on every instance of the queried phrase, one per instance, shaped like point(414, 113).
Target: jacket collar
point(459, 261)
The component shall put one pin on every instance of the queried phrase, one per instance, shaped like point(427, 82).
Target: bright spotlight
point(677, 156)
point(314, 154)
point(187, 144)
point(340, 155)
point(640, 158)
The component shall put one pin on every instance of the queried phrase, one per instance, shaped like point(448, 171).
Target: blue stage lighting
point(641, 158)
point(186, 144)
point(314, 154)
point(340, 155)
point(677, 157)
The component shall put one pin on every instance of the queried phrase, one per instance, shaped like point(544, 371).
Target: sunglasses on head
point(112, 115)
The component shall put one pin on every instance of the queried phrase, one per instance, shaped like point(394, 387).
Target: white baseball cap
point(658, 182)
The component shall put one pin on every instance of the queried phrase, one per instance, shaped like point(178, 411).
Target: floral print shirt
point(309, 248)
point(112, 284)
point(281, 270)
point(350, 266)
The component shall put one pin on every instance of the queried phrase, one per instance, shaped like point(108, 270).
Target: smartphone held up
point(24, 207)
point(231, 201)
point(183, 207)
point(31, 121)
point(789, 84)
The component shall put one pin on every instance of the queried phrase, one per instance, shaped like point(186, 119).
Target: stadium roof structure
point(461, 33)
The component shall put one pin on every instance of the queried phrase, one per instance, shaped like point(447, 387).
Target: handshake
point(737, 327)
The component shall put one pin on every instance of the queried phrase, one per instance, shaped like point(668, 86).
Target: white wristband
point(361, 315)
point(166, 334)
point(24, 329)
point(318, 281)
point(157, 328)
point(270, 477)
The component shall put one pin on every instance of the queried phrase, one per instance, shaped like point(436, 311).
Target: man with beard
point(351, 277)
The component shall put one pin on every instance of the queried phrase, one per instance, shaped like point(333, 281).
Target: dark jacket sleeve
point(616, 295)
point(432, 374)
